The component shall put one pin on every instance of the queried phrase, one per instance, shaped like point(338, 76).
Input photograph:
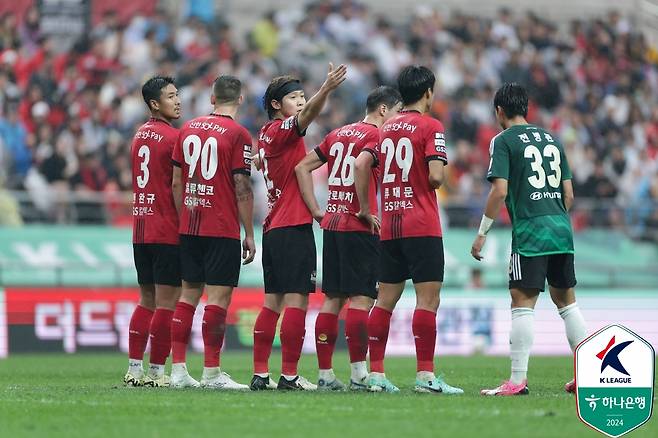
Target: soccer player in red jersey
point(412, 156)
point(350, 252)
point(155, 234)
point(212, 171)
point(288, 241)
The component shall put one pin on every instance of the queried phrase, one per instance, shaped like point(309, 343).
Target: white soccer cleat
point(180, 378)
point(162, 381)
point(222, 381)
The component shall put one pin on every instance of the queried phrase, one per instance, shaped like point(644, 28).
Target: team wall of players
point(192, 191)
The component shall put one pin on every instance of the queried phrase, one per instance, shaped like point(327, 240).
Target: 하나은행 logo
point(615, 371)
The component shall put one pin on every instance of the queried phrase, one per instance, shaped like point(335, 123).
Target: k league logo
point(614, 380)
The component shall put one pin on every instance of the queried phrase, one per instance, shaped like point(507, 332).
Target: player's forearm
point(245, 199)
point(362, 186)
point(246, 214)
point(305, 181)
point(312, 108)
point(177, 193)
point(495, 202)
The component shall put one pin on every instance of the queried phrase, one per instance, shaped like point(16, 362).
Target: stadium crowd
point(67, 117)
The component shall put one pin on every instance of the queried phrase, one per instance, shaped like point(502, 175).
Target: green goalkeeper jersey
point(534, 164)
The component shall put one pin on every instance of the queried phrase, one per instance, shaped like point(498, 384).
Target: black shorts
point(418, 258)
point(350, 264)
point(289, 260)
point(532, 272)
point(157, 263)
point(210, 260)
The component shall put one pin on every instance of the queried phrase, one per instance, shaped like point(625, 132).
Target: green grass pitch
point(82, 395)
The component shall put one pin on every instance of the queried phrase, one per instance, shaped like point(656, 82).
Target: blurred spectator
point(67, 116)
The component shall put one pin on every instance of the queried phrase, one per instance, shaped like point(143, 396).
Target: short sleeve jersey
point(210, 150)
point(534, 164)
point(280, 148)
point(339, 150)
point(408, 142)
point(155, 219)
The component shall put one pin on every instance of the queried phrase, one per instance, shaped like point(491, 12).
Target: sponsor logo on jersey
point(535, 196)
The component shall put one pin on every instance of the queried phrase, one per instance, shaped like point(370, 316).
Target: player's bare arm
point(245, 197)
point(303, 171)
point(177, 188)
point(314, 106)
point(363, 167)
point(495, 201)
point(437, 173)
point(567, 195)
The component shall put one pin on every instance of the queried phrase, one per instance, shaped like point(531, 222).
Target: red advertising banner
point(79, 319)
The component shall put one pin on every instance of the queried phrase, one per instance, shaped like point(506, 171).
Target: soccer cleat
point(570, 386)
point(259, 383)
point(132, 380)
point(222, 381)
point(508, 388)
point(157, 382)
point(183, 380)
point(334, 385)
point(381, 384)
point(360, 385)
point(435, 386)
point(299, 383)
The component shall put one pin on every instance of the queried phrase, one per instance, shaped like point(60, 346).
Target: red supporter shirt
point(281, 147)
point(339, 150)
point(408, 142)
point(209, 151)
point(154, 214)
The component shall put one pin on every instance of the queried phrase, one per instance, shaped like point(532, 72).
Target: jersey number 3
point(145, 154)
point(538, 181)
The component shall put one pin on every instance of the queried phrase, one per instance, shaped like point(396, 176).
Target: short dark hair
point(383, 95)
point(275, 84)
point(413, 82)
point(227, 89)
point(152, 89)
point(513, 99)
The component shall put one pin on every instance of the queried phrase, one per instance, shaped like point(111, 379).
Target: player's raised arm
point(303, 171)
point(363, 168)
point(245, 197)
point(314, 106)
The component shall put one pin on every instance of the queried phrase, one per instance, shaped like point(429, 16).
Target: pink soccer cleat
point(508, 388)
point(570, 386)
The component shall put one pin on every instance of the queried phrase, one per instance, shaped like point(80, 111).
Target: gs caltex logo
point(614, 380)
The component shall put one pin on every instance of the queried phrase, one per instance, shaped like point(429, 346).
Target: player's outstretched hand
point(478, 243)
point(248, 250)
point(335, 77)
point(371, 220)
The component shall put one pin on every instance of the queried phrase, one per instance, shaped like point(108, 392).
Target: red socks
point(213, 328)
point(264, 331)
point(378, 326)
point(293, 328)
point(160, 336)
point(138, 332)
point(326, 332)
point(356, 334)
point(423, 327)
point(181, 327)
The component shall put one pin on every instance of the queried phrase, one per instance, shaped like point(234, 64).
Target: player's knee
point(167, 296)
point(147, 296)
point(361, 303)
